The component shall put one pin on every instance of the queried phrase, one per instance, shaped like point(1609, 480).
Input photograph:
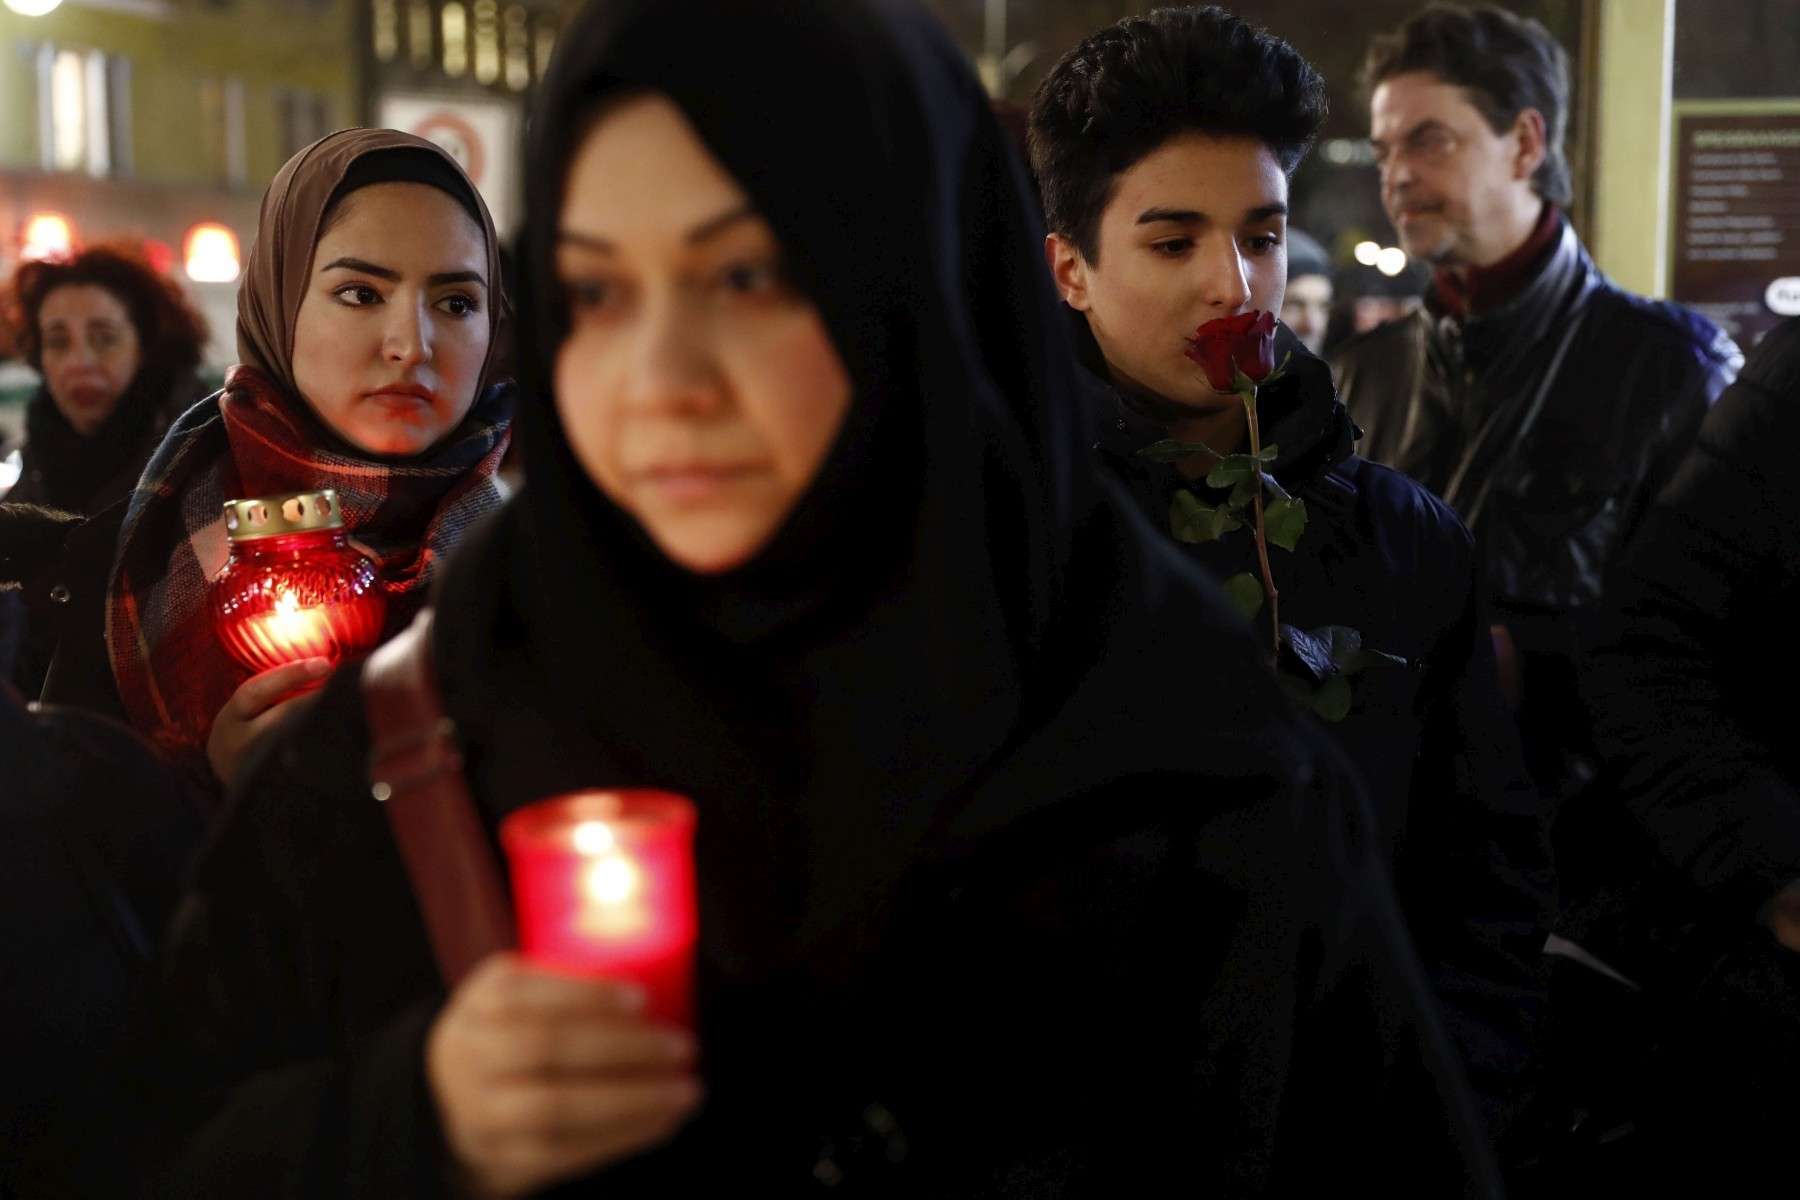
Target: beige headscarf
point(293, 212)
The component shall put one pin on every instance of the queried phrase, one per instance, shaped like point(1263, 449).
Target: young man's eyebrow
point(357, 264)
point(1189, 216)
point(1179, 216)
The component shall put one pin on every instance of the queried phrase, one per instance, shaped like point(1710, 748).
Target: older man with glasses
point(1543, 402)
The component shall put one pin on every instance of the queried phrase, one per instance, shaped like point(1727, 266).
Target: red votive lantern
point(294, 588)
point(603, 885)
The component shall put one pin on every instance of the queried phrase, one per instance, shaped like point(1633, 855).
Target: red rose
point(1227, 345)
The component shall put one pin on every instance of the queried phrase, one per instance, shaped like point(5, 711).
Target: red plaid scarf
point(249, 440)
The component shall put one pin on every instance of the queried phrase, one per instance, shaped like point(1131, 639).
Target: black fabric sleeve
point(1695, 648)
point(1479, 853)
point(252, 1079)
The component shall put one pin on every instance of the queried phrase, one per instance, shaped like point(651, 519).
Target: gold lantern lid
point(271, 516)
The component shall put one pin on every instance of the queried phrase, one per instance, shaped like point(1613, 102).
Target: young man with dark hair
point(1545, 404)
point(1163, 146)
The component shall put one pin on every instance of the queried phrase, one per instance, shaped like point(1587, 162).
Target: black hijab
point(927, 612)
point(961, 633)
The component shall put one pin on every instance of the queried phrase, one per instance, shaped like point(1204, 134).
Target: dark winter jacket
point(94, 836)
point(65, 472)
point(1686, 675)
point(1435, 748)
point(1667, 866)
point(1548, 423)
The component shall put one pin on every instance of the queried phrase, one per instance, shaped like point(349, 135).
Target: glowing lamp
point(211, 253)
point(33, 8)
point(293, 587)
point(1391, 260)
point(48, 235)
point(603, 885)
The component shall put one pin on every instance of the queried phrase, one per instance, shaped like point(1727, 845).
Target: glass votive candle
point(603, 885)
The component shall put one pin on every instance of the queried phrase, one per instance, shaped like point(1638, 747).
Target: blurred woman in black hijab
point(992, 899)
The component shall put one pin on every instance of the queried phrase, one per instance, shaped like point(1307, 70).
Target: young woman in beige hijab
point(368, 324)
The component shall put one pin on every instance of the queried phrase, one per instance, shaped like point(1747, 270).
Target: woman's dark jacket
point(1548, 424)
point(1459, 818)
point(63, 472)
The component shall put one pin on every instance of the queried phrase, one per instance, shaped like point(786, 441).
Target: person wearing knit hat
point(1306, 308)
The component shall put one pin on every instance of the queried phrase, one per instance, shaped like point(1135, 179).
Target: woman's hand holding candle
point(541, 1077)
point(260, 701)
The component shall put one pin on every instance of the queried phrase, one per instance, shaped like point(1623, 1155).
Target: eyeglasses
point(1430, 145)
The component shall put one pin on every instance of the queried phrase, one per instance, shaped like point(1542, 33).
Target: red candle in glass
point(294, 588)
point(603, 885)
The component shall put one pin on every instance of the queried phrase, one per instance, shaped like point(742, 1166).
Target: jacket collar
point(1564, 279)
point(1301, 416)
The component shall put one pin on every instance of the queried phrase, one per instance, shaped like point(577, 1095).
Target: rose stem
point(1262, 536)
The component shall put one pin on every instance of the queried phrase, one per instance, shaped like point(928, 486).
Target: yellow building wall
point(268, 44)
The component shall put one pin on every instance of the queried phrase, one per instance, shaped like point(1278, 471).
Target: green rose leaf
point(1194, 523)
point(1346, 647)
point(1246, 592)
point(1332, 700)
point(1270, 453)
point(1285, 521)
point(1171, 450)
point(1306, 655)
point(1230, 470)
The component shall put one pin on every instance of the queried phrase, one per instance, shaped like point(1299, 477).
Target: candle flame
point(613, 880)
point(593, 838)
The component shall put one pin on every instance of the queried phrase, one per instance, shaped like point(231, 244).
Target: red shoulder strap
point(415, 771)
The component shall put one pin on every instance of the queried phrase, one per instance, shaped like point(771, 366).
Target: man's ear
point(1533, 146)
point(1069, 269)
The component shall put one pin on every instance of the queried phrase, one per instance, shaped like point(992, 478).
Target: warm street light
point(32, 8)
point(47, 235)
point(211, 254)
point(1368, 252)
point(1391, 260)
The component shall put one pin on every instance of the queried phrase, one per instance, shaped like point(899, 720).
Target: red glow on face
point(604, 885)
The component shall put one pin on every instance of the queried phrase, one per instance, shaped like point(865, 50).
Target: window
point(384, 30)
point(487, 41)
point(418, 34)
point(546, 42)
point(454, 19)
point(305, 117)
point(518, 47)
point(84, 111)
point(222, 109)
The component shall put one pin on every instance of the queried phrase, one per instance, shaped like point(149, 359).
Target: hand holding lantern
point(294, 588)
